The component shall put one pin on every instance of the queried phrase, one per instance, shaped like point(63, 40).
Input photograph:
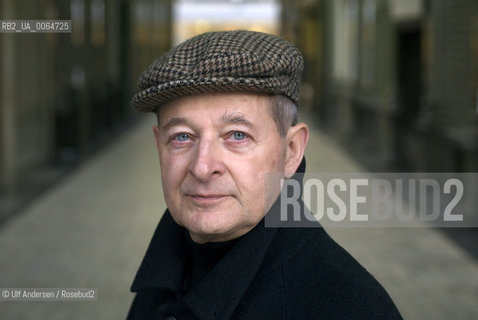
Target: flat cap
point(225, 61)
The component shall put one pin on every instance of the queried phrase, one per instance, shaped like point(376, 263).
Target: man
point(226, 108)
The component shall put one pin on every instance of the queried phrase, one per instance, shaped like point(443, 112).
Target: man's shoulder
point(313, 250)
point(323, 278)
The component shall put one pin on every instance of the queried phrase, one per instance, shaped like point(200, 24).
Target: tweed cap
point(225, 61)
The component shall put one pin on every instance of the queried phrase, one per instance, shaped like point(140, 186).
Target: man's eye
point(238, 135)
point(181, 137)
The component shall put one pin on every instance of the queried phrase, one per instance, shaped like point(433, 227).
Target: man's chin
point(213, 228)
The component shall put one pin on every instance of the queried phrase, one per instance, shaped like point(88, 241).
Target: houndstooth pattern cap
point(225, 61)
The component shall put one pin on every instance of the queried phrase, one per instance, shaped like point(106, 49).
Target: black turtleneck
point(202, 259)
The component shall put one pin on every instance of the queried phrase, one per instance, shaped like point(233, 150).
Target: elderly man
point(226, 108)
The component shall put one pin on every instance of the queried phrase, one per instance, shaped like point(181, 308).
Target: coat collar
point(223, 287)
point(215, 296)
point(164, 258)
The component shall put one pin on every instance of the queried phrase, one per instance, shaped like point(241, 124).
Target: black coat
point(271, 273)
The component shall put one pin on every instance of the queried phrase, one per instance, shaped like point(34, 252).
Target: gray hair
point(284, 112)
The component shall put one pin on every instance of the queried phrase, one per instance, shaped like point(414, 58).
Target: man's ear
point(297, 138)
point(156, 135)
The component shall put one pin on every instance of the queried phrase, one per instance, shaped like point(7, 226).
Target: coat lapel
point(219, 293)
point(164, 260)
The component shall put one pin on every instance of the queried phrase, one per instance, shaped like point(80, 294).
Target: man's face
point(214, 151)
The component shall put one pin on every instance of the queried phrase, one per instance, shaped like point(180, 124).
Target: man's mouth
point(207, 199)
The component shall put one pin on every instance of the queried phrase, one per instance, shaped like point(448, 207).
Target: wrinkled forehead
point(231, 107)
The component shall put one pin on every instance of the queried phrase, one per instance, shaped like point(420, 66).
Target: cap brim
point(152, 98)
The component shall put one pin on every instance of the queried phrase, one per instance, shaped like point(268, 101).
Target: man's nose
point(207, 162)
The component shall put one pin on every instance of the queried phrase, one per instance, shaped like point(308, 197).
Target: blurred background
point(397, 78)
point(394, 83)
